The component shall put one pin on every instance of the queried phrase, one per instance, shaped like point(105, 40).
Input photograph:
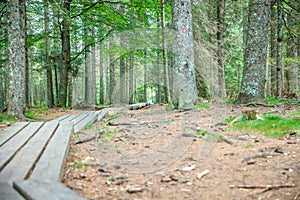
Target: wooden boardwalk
point(32, 157)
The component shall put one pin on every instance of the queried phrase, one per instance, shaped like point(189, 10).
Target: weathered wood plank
point(101, 114)
point(91, 118)
point(51, 163)
point(8, 193)
point(8, 149)
point(80, 117)
point(11, 131)
point(27, 156)
point(68, 119)
point(45, 189)
point(63, 117)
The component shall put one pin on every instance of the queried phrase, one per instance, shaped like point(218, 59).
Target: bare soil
point(152, 153)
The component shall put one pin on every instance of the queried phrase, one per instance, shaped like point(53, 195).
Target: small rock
point(79, 186)
point(134, 189)
point(189, 183)
point(185, 169)
point(202, 174)
point(174, 178)
point(166, 179)
point(173, 183)
point(251, 162)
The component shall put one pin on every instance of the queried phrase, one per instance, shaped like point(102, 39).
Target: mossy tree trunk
point(16, 60)
point(185, 83)
point(255, 54)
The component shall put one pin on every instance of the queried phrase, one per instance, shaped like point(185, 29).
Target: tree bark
point(273, 67)
point(66, 49)
point(253, 82)
point(279, 78)
point(131, 63)
point(50, 101)
point(220, 51)
point(164, 54)
point(101, 81)
point(16, 60)
point(122, 73)
point(185, 87)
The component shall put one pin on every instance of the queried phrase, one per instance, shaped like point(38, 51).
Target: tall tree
point(66, 53)
point(255, 54)
point(164, 53)
point(272, 66)
point(16, 59)
point(50, 100)
point(220, 51)
point(185, 87)
point(279, 78)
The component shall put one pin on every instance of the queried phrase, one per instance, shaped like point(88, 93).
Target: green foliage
point(89, 126)
point(229, 119)
point(201, 132)
point(270, 126)
point(274, 101)
point(33, 113)
point(7, 119)
point(203, 106)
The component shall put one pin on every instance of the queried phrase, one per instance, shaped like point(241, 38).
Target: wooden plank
point(91, 118)
point(46, 190)
point(8, 193)
point(8, 150)
point(51, 164)
point(102, 114)
point(80, 118)
point(11, 131)
point(61, 118)
point(68, 119)
point(28, 155)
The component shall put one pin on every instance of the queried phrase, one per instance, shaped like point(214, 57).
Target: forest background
point(76, 53)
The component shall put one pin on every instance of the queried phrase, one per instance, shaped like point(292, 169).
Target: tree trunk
point(50, 101)
point(122, 73)
point(1, 83)
point(16, 60)
point(88, 68)
point(279, 78)
point(101, 86)
point(131, 63)
point(66, 49)
point(145, 76)
point(185, 83)
point(273, 67)
point(220, 51)
point(164, 54)
point(253, 82)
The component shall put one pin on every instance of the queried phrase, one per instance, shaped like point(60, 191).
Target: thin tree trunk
point(164, 54)
point(122, 74)
point(66, 49)
point(50, 101)
point(131, 63)
point(101, 86)
point(220, 52)
point(145, 76)
point(273, 67)
point(1, 83)
point(279, 78)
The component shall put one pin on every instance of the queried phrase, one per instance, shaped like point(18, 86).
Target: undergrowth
point(270, 126)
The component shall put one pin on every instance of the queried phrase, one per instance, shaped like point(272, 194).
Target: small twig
point(95, 137)
point(268, 187)
point(225, 139)
point(261, 155)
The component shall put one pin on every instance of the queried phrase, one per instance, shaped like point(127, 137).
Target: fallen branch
point(269, 187)
point(261, 155)
point(225, 139)
point(95, 137)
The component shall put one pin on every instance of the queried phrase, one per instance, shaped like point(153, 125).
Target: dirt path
point(153, 154)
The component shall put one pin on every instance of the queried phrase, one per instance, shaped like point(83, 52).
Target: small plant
point(201, 132)
point(248, 145)
point(79, 164)
point(228, 120)
point(203, 106)
point(89, 126)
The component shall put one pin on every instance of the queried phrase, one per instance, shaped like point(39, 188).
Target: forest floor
point(152, 153)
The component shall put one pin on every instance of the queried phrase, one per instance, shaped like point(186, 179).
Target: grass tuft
point(274, 126)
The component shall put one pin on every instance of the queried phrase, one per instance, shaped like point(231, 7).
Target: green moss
point(203, 106)
point(201, 132)
point(274, 101)
point(270, 126)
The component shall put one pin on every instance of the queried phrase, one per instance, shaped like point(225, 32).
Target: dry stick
point(225, 139)
point(269, 187)
point(95, 137)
